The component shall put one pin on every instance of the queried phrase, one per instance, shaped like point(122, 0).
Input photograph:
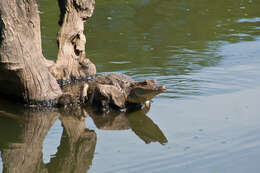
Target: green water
point(207, 55)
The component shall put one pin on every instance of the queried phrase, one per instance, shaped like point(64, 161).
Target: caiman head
point(144, 91)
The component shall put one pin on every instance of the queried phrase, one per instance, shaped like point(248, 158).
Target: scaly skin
point(118, 90)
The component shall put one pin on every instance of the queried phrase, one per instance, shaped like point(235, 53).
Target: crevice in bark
point(1, 29)
point(81, 5)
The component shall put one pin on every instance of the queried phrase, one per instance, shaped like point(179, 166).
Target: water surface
point(207, 55)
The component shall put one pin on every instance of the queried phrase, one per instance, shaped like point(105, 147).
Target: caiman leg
point(84, 93)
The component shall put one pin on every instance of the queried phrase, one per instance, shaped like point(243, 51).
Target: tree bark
point(72, 63)
point(23, 69)
point(25, 74)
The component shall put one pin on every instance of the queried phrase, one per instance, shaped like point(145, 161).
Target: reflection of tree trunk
point(24, 71)
point(26, 155)
point(71, 62)
point(77, 147)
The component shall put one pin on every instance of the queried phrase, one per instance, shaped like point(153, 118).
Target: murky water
point(205, 52)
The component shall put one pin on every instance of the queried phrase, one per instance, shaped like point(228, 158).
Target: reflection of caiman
point(117, 91)
point(140, 124)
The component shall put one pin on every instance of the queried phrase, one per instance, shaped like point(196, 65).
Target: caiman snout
point(151, 84)
point(163, 88)
point(143, 91)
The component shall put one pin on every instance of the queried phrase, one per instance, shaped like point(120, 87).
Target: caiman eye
point(145, 82)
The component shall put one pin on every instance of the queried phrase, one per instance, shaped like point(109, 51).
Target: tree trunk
point(25, 74)
point(23, 69)
point(72, 63)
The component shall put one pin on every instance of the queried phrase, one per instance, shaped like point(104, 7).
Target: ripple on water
point(238, 69)
point(220, 146)
point(119, 62)
point(199, 157)
point(249, 20)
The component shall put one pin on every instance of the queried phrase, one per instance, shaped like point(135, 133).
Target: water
point(207, 55)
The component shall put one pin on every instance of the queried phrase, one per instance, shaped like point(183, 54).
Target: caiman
point(116, 91)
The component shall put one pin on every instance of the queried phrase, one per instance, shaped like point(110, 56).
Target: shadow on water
point(21, 148)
